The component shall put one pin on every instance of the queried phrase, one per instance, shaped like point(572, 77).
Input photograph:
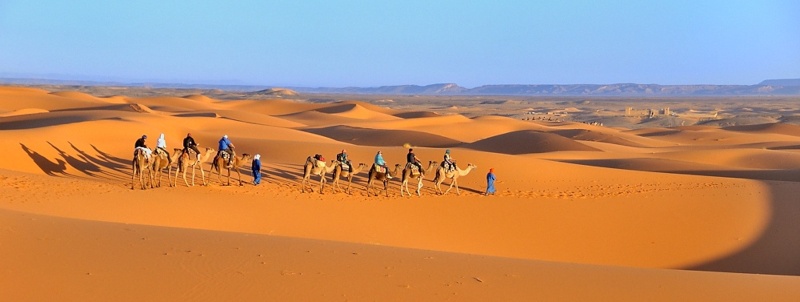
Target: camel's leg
point(386, 187)
point(169, 175)
point(419, 187)
point(369, 184)
point(321, 182)
point(186, 182)
point(240, 176)
point(349, 182)
point(303, 184)
point(133, 178)
point(202, 174)
point(452, 182)
point(219, 174)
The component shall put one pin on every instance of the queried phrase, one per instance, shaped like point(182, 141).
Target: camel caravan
point(148, 166)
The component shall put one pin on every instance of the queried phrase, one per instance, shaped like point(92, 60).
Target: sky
point(379, 43)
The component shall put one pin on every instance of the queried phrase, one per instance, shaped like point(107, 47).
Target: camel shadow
point(83, 166)
point(47, 166)
point(117, 161)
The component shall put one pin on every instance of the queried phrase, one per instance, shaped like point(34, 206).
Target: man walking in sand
point(490, 178)
point(256, 167)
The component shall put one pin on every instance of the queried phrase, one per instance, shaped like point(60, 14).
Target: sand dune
point(527, 141)
point(25, 111)
point(582, 212)
point(772, 128)
point(371, 137)
point(416, 114)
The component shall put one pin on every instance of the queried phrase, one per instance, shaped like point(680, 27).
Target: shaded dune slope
point(527, 141)
point(378, 137)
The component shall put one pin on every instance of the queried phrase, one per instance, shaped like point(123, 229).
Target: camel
point(141, 164)
point(337, 172)
point(184, 163)
point(441, 174)
point(219, 163)
point(375, 175)
point(161, 161)
point(407, 175)
point(315, 167)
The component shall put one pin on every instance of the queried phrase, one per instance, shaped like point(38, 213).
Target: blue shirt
point(223, 143)
point(379, 160)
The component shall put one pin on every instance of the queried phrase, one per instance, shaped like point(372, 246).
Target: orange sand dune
point(24, 111)
point(356, 111)
point(270, 107)
point(371, 137)
point(527, 141)
point(416, 114)
point(581, 212)
point(775, 128)
point(77, 96)
point(12, 98)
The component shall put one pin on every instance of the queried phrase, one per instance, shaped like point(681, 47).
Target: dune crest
point(526, 142)
point(25, 111)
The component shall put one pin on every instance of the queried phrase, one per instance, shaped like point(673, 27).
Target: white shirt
point(161, 142)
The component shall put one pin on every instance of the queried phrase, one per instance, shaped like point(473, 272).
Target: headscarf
point(257, 157)
point(491, 170)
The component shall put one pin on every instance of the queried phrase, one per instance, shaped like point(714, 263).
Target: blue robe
point(256, 171)
point(490, 183)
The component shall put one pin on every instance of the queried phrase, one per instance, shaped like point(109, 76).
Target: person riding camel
point(449, 162)
point(342, 159)
point(189, 143)
point(140, 146)
point(380, 162)
point(161, 144)
point(411, 158)
point(226, 147)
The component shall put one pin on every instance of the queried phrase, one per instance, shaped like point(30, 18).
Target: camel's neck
point(206, 156)
point(329, 169)
point(466, 171)
point(430, 168)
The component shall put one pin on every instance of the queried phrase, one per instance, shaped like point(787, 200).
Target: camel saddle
point(379, 168)
point(448, 167)
point(413, 168)
point(345, 166)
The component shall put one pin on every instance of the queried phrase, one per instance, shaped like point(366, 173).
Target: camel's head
point(472, 166)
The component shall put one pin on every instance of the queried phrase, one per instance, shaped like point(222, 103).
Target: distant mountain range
point(767, 87)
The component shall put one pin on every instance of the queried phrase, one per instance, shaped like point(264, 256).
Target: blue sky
point(375, 43)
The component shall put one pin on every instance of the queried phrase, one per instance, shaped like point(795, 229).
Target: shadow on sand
point(777, 250)
point(57, 168)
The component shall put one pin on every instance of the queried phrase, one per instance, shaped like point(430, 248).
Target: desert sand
point(583, 212)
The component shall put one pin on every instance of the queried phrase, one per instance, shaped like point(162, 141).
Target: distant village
point(578, 115)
